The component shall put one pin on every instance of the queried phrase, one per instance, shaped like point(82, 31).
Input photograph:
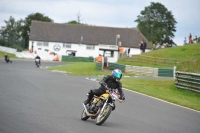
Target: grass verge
point(10, 55)
point(82, 69)
point(165, 90)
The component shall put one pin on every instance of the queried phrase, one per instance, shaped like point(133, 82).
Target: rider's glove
point(122, 98)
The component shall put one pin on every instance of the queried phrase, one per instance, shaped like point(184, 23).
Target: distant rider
point(112, 81)
point(37, 57)
point(6, 57)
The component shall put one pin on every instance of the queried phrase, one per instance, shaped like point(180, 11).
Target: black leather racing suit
point(111, 83)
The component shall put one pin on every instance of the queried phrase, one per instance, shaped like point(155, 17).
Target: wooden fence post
point(174, 72)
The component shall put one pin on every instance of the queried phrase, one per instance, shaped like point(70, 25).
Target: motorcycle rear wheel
point(101, 118)
point(84, 117)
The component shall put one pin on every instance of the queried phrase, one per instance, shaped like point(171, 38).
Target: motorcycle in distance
point(99, 108)
point(7, 59)
point(37, 62)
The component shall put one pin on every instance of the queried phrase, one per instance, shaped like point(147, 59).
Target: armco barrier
point(77, 59)
point(149, 71)
point(113, 66)
point(189, 81)
point(142, 71)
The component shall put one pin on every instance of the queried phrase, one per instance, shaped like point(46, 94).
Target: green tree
point(156, 23)
point(11, 33)
point(27, 23)
point(12, 28)
point(73, 22)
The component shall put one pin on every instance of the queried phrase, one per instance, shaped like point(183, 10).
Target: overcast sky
point(112, 13)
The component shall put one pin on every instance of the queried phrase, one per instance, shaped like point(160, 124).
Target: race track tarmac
point(34, 100)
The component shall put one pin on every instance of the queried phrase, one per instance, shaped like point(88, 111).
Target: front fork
point(103, 107)
point(112, 105)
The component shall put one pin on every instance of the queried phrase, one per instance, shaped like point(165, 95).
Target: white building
point(83, 40)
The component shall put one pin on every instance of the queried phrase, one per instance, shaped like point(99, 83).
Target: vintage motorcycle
point(7, 59)
point(99, 108)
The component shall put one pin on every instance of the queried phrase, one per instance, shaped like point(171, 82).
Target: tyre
point(101, 118)
point(84, 117)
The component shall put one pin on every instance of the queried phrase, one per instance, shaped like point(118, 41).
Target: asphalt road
point(34, 100)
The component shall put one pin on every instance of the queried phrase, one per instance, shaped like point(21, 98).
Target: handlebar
point(110, 90)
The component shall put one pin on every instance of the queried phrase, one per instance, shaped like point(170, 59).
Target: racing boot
point(90, 96)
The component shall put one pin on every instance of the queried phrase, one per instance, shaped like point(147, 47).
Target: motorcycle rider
point(111, 81)
point(7, 59)
point(37, 57)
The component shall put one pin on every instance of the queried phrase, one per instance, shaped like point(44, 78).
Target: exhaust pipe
point(88, 114)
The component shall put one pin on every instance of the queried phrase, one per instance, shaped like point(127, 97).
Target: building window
point(66, 45)
point(39, 43)
point(90, 47)
point(114, 46)
point(46, 44)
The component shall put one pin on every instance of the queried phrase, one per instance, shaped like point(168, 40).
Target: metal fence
point(12, 42)
point(189, 81)
point(153, 60)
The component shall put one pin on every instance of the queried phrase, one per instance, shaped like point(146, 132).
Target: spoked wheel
point(84, 116)
point(101, 118)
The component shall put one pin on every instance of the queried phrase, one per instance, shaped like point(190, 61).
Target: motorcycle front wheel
point(84, 116)
point(101, 118)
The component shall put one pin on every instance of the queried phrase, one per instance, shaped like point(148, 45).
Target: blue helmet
point(117, 74)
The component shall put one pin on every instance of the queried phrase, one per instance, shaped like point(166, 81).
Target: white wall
point(135, 51)
point(113, 59)
point(80, 49)
point(8, 50)
point(83, 52)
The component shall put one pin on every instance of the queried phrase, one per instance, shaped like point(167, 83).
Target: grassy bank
point(188, 56)
point(187, 52)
